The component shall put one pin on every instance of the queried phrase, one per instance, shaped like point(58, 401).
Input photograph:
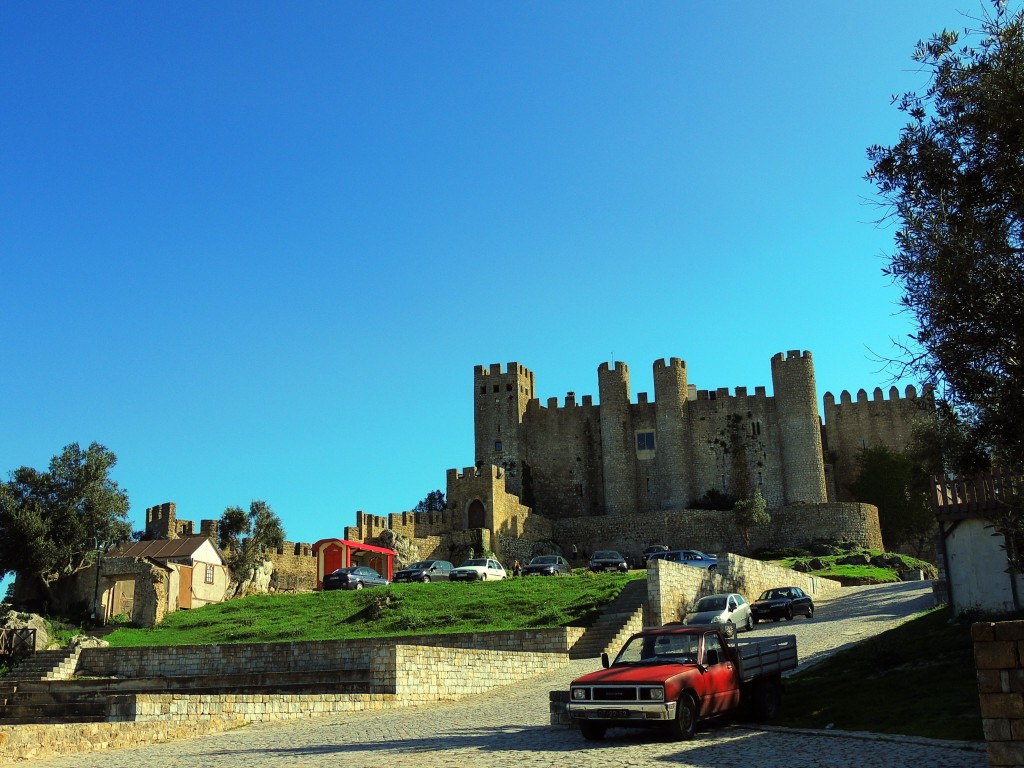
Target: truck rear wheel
point(684, 727)
point(767, 699)
point(592, 731)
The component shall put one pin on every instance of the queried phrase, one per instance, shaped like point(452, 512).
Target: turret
point(500, 400)
point(803, 468)
point(672, 443)
point(618, 451)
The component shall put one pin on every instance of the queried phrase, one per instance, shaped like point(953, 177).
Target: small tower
point(500, 400)
point(796, 406)
point(618, 452)
point(672, 444)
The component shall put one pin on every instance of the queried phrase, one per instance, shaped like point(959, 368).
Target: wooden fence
point(16, 642)
point(978, 496)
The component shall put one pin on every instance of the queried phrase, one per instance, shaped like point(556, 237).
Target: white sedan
point(478, 569)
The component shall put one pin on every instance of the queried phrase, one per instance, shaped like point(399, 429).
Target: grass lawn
point(917, 680)
point(855, 574)
point(442, 607)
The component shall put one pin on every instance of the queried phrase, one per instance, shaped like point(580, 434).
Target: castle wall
point(713, 531)
point(563, 458)
point(852, 426)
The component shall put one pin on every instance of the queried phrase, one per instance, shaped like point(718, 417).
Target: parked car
point(425, 571)
point(354, 577)
point(782, 603)
point(478, 569)
point(729, 611)
point(608, 560)
point(651, 550)
point(693, 557)
point(548, 565)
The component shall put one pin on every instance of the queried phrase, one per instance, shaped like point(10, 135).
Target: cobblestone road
point(508, 728)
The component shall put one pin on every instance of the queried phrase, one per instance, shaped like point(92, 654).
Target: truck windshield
point(647, 649)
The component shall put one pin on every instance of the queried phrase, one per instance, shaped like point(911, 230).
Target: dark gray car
point(608, 560)
point(425, 571)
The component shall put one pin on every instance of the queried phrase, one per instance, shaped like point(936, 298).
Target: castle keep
point(620, 473)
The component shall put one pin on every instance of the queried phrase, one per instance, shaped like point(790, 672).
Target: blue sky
point(256, 248)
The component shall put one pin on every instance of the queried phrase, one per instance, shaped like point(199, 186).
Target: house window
point(209, 574)
point(645, 441)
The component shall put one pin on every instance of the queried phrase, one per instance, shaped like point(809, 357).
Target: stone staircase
point(46, 665)
point(618, 620)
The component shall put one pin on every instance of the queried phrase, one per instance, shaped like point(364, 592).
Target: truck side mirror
point(711, 657)
point(604, 660)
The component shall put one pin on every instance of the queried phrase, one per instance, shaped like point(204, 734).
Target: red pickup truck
point(674, 676)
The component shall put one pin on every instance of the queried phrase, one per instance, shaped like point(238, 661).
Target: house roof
point(186, 546)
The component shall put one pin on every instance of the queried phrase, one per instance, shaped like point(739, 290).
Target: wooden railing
point(977, 496)
point(16, 642)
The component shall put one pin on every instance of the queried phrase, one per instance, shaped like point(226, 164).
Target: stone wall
point(853, 425)
point(712, 531)
point(673, 587)
point(307, 656)
point(999, 660)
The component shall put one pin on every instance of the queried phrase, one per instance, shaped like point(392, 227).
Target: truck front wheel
point(592, 731)
point(684, 727)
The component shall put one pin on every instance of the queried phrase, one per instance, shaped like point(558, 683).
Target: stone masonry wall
point(673, 587)
point(713, 531)
point(307, 656)
point(999, 661)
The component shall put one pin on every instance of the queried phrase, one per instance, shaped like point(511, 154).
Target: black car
point(354, 577)
point(547, 565)
point(651, 550)
point(782, 603)
point(608, 560)
point(425, 571)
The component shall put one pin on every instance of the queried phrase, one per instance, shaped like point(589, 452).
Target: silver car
point(729, 611)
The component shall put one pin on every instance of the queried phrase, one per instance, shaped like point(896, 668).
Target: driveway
point(508, 728)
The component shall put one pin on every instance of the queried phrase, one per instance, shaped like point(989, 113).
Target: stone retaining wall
point(673, 587)
point(999, 660)
point(306, 656)
point(404, 671)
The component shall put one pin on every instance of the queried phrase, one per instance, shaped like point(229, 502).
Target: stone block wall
point(713, 531)
point(673, 587)
point(999, 660)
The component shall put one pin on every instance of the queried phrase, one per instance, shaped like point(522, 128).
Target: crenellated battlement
point(845, 398)
point(793, 354)
point(672, 362)
point(723, 393)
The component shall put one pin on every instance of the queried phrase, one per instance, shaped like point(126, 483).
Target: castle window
point(497, 446)
point(209, 574)
point(483, 389)
point(508, 387)
point(496, 388)
point(645, 444)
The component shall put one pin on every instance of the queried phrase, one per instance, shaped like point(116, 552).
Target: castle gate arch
point(476, 516)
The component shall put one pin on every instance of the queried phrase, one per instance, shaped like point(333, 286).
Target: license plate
point(610, 714)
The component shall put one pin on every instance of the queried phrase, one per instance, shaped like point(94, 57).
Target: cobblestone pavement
point(508, 728)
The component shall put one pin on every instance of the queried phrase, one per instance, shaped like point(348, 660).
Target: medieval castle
point(620, 473)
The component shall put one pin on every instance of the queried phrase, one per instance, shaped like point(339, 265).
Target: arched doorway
point(477, 514)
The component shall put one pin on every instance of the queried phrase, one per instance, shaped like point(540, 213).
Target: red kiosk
point(332, 554)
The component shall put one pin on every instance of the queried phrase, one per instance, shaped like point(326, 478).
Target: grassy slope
point(917, 680)
point(855, 574)
point(413, 609)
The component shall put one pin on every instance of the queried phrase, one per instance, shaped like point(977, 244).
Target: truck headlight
point(657, 694)
point(580, 694)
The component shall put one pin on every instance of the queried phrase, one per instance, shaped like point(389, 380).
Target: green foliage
point(847, 574)
point(898, 485)
point(443, 607)
point(434, 502)
point(751, 513)
point(917, 680)
point(246, 538)
point(952, 184)
point(51, 522)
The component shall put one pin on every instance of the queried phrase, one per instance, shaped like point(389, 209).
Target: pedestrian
point(517, 568)
point(575, 552)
